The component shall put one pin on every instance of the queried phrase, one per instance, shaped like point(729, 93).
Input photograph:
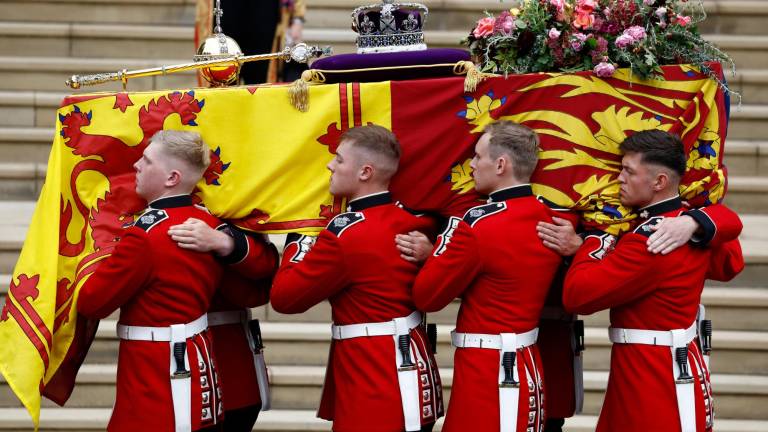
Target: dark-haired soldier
point(659, 379)
point(381, 374)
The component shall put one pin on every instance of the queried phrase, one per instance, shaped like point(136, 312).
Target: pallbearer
point(381, 374)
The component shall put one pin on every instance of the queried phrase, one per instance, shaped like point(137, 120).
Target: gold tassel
point(473, 75)
point(299, 92)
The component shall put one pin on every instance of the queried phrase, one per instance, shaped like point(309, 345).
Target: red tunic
point(719, 226)
point(245, 284)
point(643, 291)
point(356, 265)
point(155, 283)
point(495, 262)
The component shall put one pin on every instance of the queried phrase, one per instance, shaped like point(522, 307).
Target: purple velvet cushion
point(392, 66)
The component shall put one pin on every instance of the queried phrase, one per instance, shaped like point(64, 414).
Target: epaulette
point(645, 228)
point(551, 204)
point(344, 221)
point(150, 219)
point(410, 210)
point(476, 213)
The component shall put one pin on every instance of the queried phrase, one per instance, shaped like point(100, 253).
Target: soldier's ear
point(173, 179)
point(661, 181)
point(503, 165)
point(366, 172)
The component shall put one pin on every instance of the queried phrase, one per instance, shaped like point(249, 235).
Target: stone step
point(21, 181)
point(729, 16)
point(176, 12)
point(50, 73)
point(746, 158)
point(87, 419)
point(747, 194)
point(300, 387)
point(29, 108)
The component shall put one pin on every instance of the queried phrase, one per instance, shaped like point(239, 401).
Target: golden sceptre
point(300, 53)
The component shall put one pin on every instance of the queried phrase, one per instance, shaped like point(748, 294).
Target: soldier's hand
point(559, 236)
point(414, 247)
point(671, 233)
point(196, 235)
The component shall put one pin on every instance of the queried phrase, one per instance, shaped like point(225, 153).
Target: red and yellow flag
point(268, 172)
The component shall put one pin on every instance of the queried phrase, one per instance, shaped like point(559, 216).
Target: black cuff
point(708, 227)
point(241, 245)
point(292, 237)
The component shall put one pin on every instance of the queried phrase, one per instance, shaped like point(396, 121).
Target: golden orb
point(220, 47)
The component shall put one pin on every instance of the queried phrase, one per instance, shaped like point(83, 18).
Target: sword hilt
point(179, 349)
point(404, 344)
point(432, 336)
point(255, 329)
point(508, 362)
point(681, 357)
point(706, 340)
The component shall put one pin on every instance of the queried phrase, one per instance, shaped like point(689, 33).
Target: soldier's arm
point(450, 269)
point(118, 278)
point(307, 277)
point(706, 226)
point(726, 261)
point(621, 276)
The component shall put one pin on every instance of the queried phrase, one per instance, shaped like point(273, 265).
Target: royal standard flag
point(268, 172)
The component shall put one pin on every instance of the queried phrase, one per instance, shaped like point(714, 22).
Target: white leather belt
point(674, 339)
point(407, 377)
point(386, 328)
point(648, 337)
point(227, 317)
point(160, 334)
point(478, 340)
point(505, 342)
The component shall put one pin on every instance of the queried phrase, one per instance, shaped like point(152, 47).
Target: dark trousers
point(252, 24)
point(554, 425)
point(241, 420)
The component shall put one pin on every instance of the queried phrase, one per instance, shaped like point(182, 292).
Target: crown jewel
point(390, 27)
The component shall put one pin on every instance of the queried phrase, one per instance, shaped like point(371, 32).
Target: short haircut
point(377, 141)
point(657, 147)
point(185, 146)
point(518, 142)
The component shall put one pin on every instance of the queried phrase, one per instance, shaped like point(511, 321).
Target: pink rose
point(584, 21)
point(560, 6)
point(649, 2)
point(683, 20)
point(577, 41)
point(553, 33)
point(636, 32)
point(624, 41)
point(604, 69)
point(586, 5)
point(661, 12)
point(484, 27)
point(508, 25)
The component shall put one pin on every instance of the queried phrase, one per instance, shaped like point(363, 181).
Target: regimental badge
point(483, 211)
point(304, 243)
point(343, 221)
point(445, 237)
point(607, 243)
point(150, 219)
point(646, 228)
point(644, 214)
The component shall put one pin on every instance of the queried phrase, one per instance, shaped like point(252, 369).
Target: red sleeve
point(118, 278)
point(726, 261)
point(305, 277)
point(454, 264)
point(621, 276)
point(253, 256)
point(718, 224)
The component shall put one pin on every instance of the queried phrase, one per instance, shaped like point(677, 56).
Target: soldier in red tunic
point(251, 263)
point(494, 261)
point(659, 377)
point(381, 374)
point(166, 376)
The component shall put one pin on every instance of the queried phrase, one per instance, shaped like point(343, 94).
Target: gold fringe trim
point(299, 91)
point(473, 75)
